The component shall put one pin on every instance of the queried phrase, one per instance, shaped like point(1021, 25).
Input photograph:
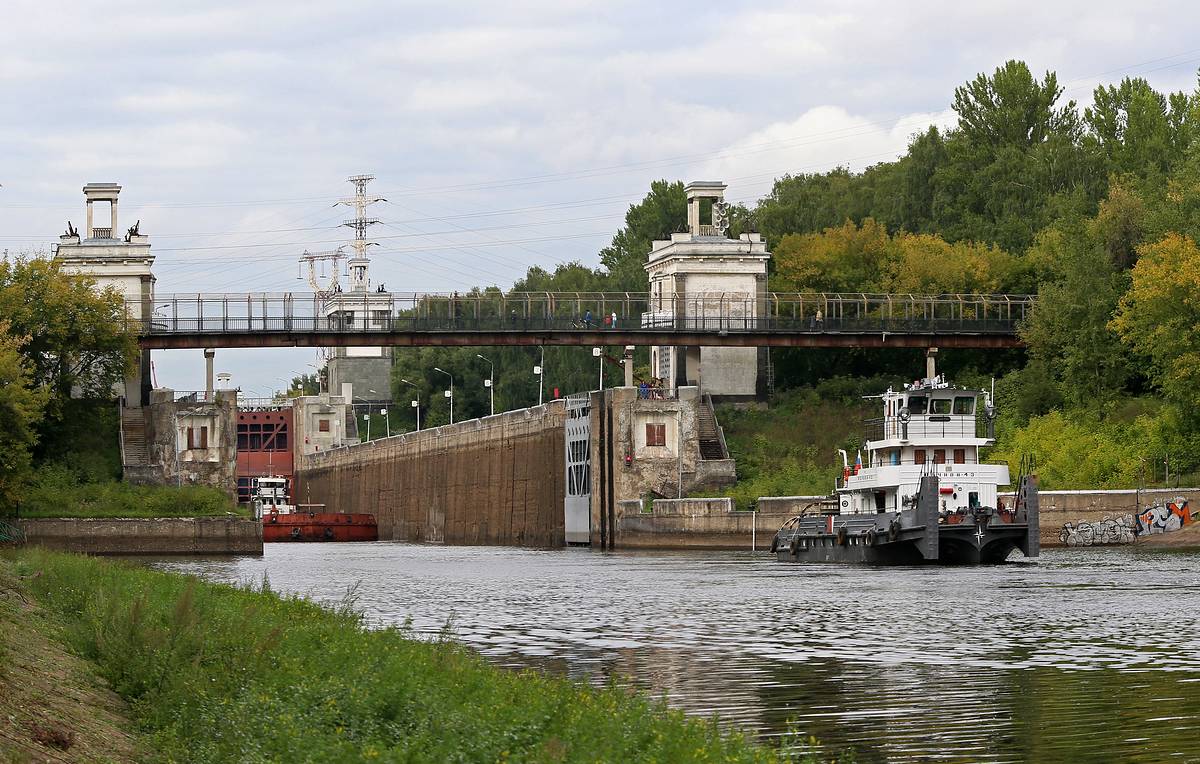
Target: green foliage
point(1159, 317)
point(1078, 449)
point(61, 491)
point(73, 336)
point(20, 410)
point(218, 674)
point(661, 213)
point(790, 449)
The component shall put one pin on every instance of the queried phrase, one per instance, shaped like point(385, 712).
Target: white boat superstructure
point(928, 428)
point(270, 497)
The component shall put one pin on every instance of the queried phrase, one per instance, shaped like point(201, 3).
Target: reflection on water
point(1089, 655)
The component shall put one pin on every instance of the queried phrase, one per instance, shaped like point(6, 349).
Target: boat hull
point(916, 536)
point(320, 526)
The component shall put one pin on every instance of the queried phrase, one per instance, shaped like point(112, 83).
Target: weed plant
point(58, 492)
point(220, 674)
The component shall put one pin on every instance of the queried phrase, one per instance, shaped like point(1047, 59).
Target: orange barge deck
point(320, 526)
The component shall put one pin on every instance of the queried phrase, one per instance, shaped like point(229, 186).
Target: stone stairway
point(706, 432)
point(133, 438)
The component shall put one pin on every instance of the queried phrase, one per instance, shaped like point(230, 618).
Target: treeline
point(63, 346)
point(1095, 210)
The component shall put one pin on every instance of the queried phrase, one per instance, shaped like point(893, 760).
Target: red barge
point(307, 522)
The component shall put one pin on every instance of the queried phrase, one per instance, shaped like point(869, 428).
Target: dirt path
point(53, 705)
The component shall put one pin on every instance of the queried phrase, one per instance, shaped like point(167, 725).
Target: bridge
point(372, 319)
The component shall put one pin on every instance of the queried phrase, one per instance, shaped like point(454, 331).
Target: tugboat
point(923, 496)
point(283, 521)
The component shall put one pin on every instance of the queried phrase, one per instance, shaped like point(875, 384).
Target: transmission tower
point(359, 280)
point(323, 286)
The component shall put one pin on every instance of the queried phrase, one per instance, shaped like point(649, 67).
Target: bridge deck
point(712, 320)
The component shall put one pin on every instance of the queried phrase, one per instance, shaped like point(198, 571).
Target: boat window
point(894, 457)
point(916, 404)
point(964, 404)
point(960, 456)
point(919, 456)
point(939, 456)
point(939, 406)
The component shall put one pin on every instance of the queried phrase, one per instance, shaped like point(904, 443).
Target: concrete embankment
point(158, 535)
point(497, 480)
point(1061, 507)
point(703, 523)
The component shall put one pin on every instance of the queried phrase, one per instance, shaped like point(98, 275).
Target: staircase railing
point(11, 534)
point(121, 430)
point(720, 430)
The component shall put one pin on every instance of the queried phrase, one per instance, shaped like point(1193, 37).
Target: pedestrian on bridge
point(587, 319)
point(613, 322)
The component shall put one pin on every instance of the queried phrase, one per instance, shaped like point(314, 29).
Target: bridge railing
point(715, 312)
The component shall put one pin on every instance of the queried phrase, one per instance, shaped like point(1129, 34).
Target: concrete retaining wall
point(1061, 507)
point(693, 524)
point(160, 535)
point(497, 480)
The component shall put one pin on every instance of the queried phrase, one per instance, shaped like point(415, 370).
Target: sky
point(503, 135)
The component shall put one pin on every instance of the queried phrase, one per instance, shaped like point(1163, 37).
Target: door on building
point(577, 505)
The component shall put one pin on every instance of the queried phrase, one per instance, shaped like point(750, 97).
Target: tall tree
point(1159, 317)
point(73, 336)
point(20, 410)
point(662, 212)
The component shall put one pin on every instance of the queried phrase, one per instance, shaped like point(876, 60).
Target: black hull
point(917, 536)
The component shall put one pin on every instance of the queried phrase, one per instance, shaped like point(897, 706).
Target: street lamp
point(597, 352)
point(450, 392)
point(387, 420)
point(489, 383)
point(417, 403)
point(540, 371)
point(366, 416)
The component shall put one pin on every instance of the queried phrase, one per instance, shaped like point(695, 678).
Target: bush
point(56, 491)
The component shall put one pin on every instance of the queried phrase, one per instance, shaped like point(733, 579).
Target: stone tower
point(122, 261)
point(701, 278)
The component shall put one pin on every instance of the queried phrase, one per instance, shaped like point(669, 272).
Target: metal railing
point(718, 313)
point(924, 426)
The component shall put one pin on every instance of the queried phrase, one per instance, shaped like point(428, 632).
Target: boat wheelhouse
point(923, 494)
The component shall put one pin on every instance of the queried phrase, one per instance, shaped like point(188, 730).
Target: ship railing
point(923, 426)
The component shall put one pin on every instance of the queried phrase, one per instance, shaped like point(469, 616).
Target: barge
point(283, 521)
point(923, 495)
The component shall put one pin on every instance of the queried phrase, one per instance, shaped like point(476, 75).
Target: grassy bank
point(59, 492)
point(216, 674)
point(54, 706)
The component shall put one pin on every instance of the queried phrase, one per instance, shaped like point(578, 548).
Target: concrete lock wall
point(496, 480)
point(1060, 507)
point(159, 535)
point(693, 524)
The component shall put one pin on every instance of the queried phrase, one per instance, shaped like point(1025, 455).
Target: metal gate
point(577, 504)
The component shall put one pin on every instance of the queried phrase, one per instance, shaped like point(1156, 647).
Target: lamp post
point(450, 392)
point(366, 416)
point(540, 371)
point(490, 384)
point(598, 353)
point(387, 421)
point(417, 403)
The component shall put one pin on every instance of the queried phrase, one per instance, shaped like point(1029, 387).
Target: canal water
point(1087, 655)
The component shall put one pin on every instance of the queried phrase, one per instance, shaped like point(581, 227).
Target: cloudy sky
point(503, 134)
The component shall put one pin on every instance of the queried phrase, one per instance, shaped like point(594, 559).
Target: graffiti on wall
point(1163, 519)
point(1160, 518)
point(1110, 530)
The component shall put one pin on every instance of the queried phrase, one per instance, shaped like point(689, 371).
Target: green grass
point(56, 492)
point(216, 674)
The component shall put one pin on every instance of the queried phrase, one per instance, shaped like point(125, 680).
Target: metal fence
point(719, 312)
point(922, 426)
